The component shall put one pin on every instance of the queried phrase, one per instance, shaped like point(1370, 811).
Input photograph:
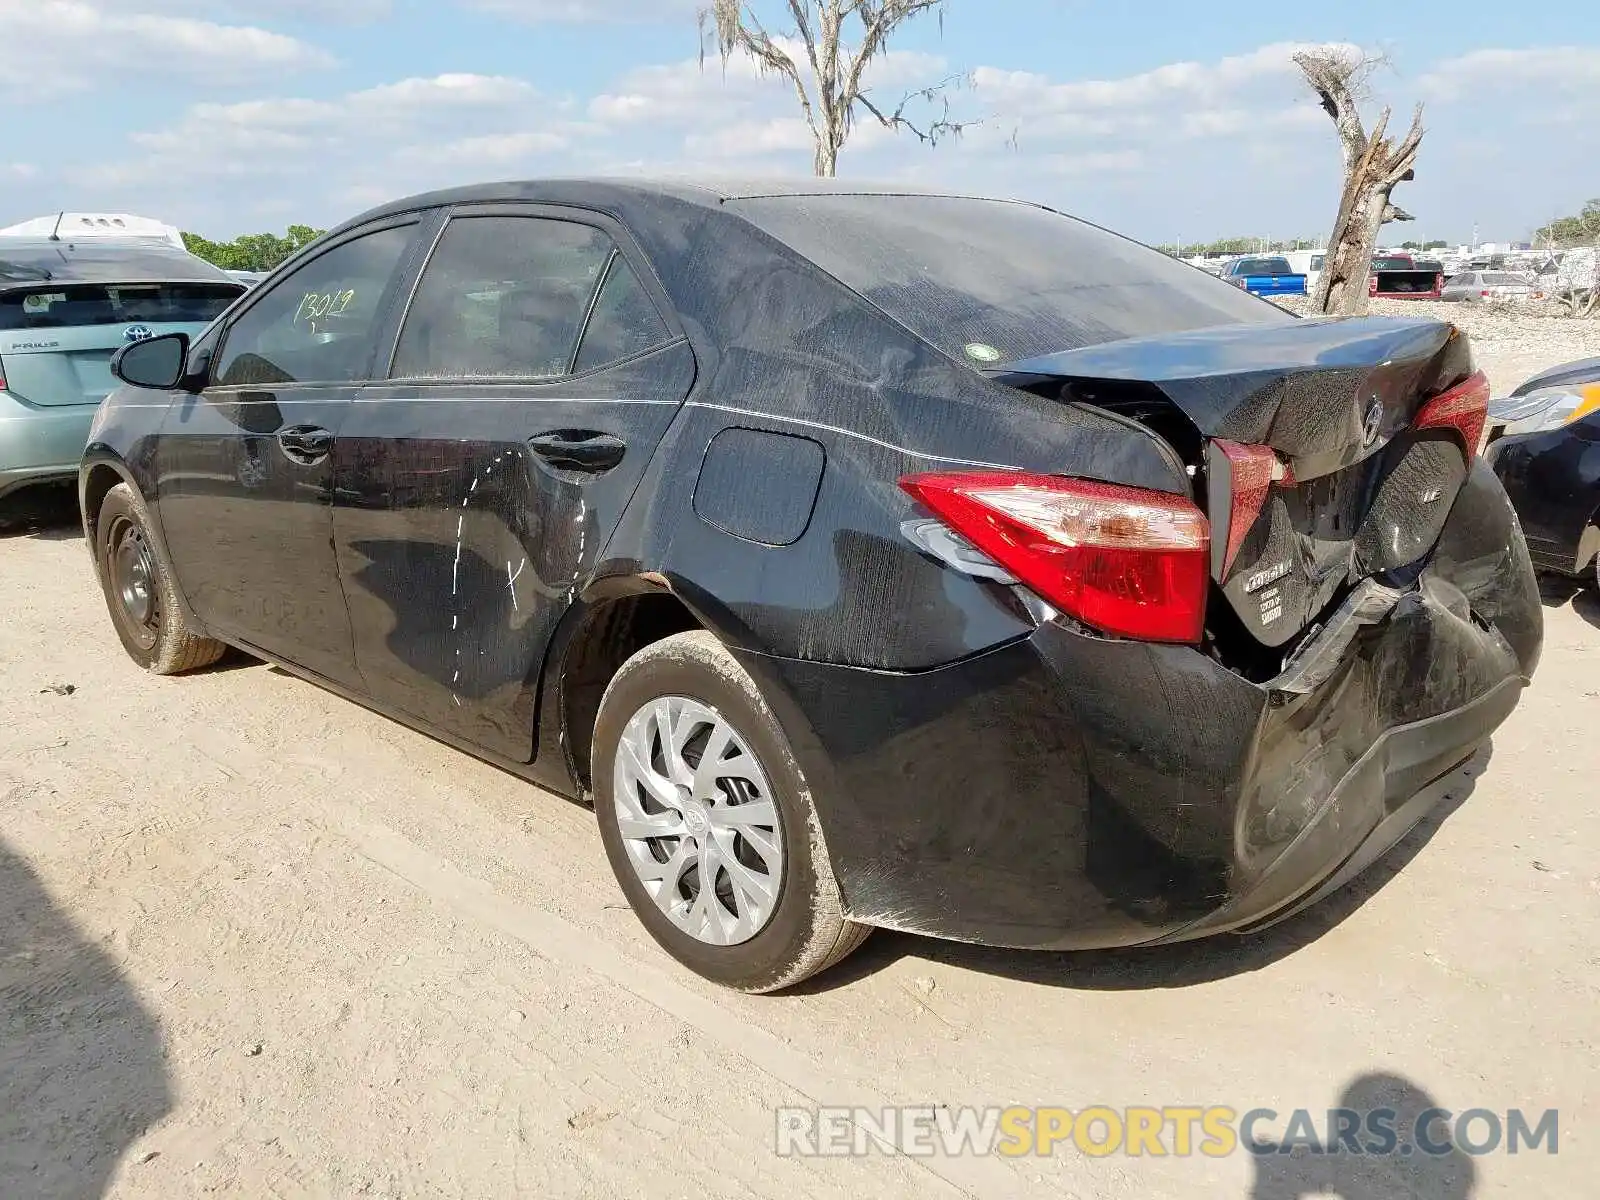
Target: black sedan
point(867, 559)
point(1544, 442)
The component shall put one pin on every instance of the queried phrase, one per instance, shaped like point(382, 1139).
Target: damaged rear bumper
point(1069, 792)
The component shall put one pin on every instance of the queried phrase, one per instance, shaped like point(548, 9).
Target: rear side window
point(1316, 262)
point(624, 323)
point(503, 297)
point(989, 280)
point(115, 304)
point(317, 324)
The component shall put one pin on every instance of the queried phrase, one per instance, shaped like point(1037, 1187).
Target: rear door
point(536, 370)
point(245, 467)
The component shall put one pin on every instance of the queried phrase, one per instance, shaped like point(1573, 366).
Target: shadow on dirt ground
point(1557, 590)
point(82, 1070)
point(47, 512)
point(1290, 1171)
point(1186, 964)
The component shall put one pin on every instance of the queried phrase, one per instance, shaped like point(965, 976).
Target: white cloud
point(745, 139)
point(592, 12)
point(325, 12)
point(342, 153)
point(716, 93)
point(1498, 73)
point(1157, 153)
point(71, 44)
point(491, 150)
point(1196, 99)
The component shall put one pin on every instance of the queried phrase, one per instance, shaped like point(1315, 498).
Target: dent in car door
point(245, 468)
point(478, 485)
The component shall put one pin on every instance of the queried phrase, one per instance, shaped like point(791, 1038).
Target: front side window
point(503, 297)
point(318, 324)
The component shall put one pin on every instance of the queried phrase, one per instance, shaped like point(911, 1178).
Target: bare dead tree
point(1373, 164)
point(830, 84)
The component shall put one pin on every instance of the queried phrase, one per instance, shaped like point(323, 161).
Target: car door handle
point(579, 449)
point(307, 445)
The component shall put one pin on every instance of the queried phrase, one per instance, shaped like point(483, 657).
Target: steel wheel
point(697, 819)
point(134, 581)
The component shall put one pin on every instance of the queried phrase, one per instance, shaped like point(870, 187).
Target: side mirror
point(157, 362)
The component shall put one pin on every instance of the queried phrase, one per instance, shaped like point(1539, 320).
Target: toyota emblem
point(138, 333)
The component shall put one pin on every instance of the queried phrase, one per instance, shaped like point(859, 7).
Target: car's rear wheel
point(709, 824)
point(140, 593)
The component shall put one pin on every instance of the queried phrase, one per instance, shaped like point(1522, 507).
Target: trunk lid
point(50, 367)
point(1304, 443)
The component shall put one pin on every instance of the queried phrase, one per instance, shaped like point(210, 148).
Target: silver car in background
point(1489, 285)
point(65, 307)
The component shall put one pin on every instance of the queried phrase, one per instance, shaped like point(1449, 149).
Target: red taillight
point(1464, 408)
point(1485, 294)
point(2, 374)
point(1124, 560)
point(1254, 470)
point(1372, 285)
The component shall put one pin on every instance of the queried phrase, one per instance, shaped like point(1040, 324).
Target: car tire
point(796, 927)
point(140, 593)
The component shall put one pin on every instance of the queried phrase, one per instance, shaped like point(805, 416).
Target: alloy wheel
point(698, 820)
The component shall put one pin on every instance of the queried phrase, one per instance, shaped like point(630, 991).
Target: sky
point(1165, 120)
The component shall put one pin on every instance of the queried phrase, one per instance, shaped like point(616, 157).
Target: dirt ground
point(255, 941)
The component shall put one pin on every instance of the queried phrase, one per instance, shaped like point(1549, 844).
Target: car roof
point(27, 261)
point(605, 192)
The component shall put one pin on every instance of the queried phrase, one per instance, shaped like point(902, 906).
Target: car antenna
point(55, 234)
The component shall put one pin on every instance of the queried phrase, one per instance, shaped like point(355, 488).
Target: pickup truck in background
point(1401, 277)
point(1265, 276)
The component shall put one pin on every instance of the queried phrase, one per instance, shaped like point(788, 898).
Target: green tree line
point(1582, 229)
point(252, 251)
point(1252, 245)
point(1240, 245)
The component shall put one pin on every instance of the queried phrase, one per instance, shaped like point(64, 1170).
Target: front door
point(477, 485)
point(245, 467)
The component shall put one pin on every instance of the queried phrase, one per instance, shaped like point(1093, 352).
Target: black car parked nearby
point(870, 559)
point(1544, 443)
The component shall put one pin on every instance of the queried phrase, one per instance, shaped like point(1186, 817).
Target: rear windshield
point(1430, 264)
point(1392, 264)
point(994, 281)
point(1264, 266)
point(57, 306)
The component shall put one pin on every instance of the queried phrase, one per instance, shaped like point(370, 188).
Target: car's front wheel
point(709, 824)
point(140, 592)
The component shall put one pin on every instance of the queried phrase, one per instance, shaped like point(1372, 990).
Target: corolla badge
point(1373, 422)
point(138, 333)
